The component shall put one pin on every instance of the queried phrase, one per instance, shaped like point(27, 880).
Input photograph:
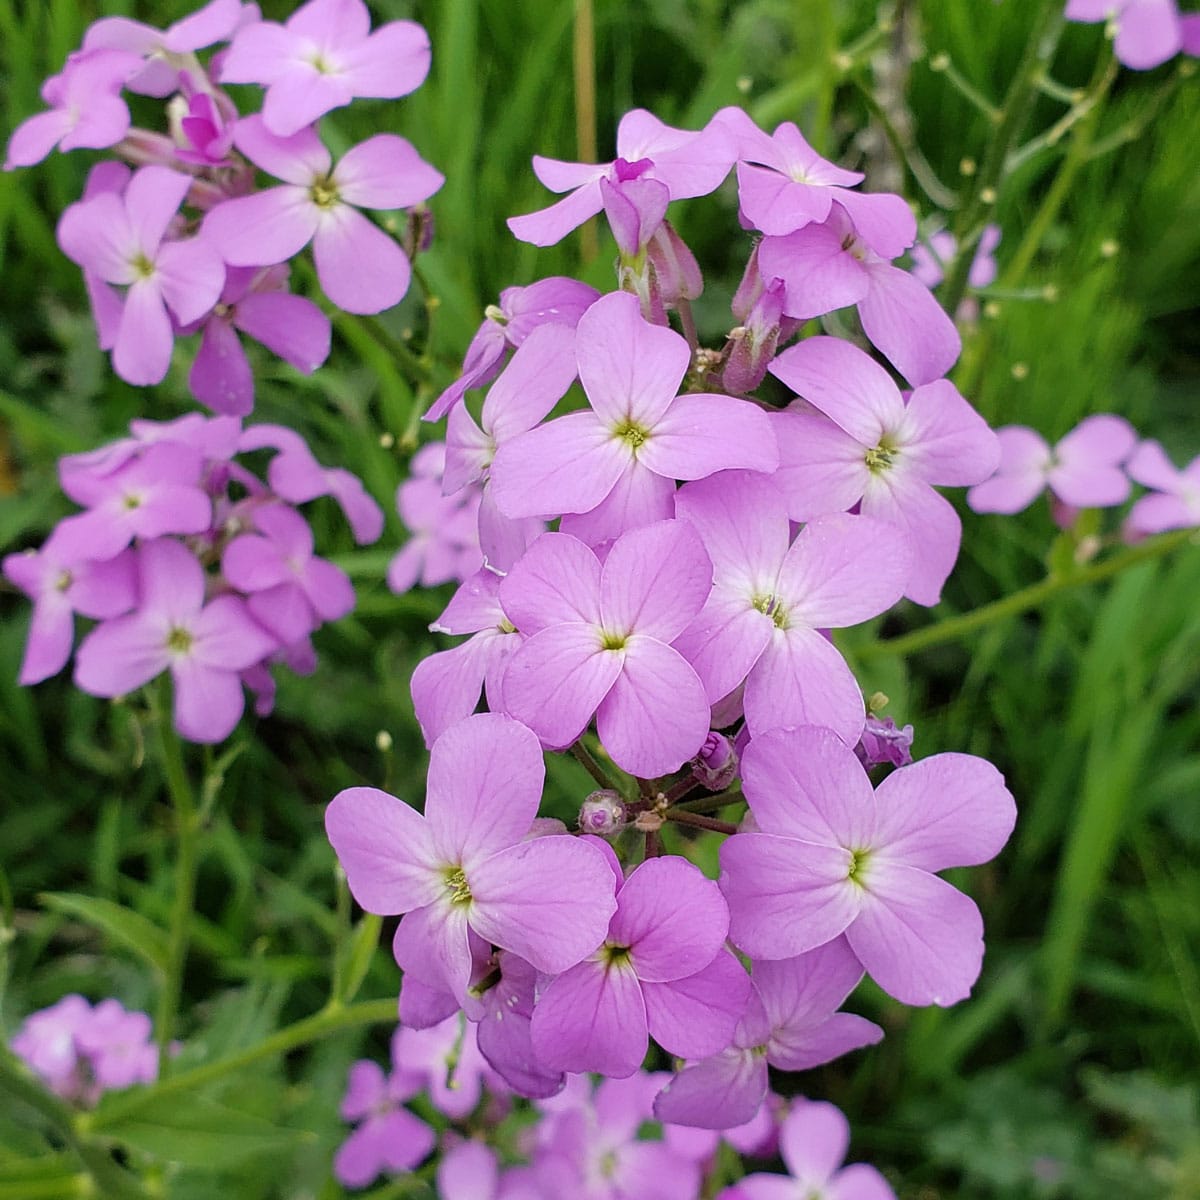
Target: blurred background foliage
point(1073, 1070)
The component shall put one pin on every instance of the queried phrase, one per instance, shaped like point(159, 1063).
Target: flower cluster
point(1145, 32)
point(81, 1051)
point(707, 542)
point(185, 243)
point(191, 563)
point(1093, 466)
point(596, 1141)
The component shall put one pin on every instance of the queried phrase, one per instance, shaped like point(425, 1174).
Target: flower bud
point(716, 764)
point(602, 813)
point(882, 742)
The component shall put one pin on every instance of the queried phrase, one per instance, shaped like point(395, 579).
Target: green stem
point(109, 1178)
point(47, 1189)
point(333, 1018)
point(187, 837)
point(417, 367)
point(1012, 116)
point(709, 804)
point(698, 822)
point(592, 767)
point(953, 628)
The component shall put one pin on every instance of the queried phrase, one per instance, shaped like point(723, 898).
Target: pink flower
point(122, 240)
point(599, 641)
point(813, 1143)
point(831, 856)
point(1148, 31)
point(324, 57)
point(203, 645)
point(791, 1022)
point(616, 463)
point(771, 597)
point(662, 969)
point(1082, 470)
point(1174, 502)
point(360, 268)
point(465, 865)
point(673, 164)
point(880, 452)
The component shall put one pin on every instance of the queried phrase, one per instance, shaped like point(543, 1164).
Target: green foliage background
point(1073, 1070)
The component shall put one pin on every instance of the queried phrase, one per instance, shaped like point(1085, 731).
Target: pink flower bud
point(716, 764)
point(602, 813)
point(882, 743)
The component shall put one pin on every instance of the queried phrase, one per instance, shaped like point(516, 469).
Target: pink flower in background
point(599, 641)
point(60, 585)
point(203, 645)
point(1082, 470)
point(360, 268)
point(930, 259)
point(388, 1137)
point(813, 1141)
point(1174, 502)
point(122, 240)
point(831, 856)
point(324, 57)
point(466, 866)
point(86, 109)
point(615, 463)
point(1148, 31)
point(662, 970)
point(879, 451)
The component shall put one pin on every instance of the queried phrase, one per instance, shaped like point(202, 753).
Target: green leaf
point(192, 1131)
point(123, 925)
point(358, 953)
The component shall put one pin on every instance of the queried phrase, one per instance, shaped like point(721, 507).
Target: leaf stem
point(953, 628)
point(698, 822)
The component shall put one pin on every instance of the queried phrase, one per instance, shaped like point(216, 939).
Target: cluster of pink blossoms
point(81, 1051)
point(187, 243)
point(596, 1141)
point(1093, 466)
point(190, 563)
point(705, 543)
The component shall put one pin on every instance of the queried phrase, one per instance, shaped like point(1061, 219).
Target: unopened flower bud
point(602, 813)
point(882, 742)
point(716, 764)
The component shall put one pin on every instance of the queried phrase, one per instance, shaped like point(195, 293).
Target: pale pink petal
point(718, 1093)
point(556, 581)
point(483, 788)
point(859, 1181)
point(843, 570)
point(120, 655)
point(34, 138)
point(431, 943)
point(292, 327)
point(360, 268)
point(776, 204)
point(385, 849)
point(696, 1016)
point(299, 159)
point(221, 376)
point(1148, 33)
point(822, 468)
point(933, 528)
point(208, 700)
point(702, 434)
point(385, 171)
point(1150, 466)
point(592, 1019)
point(785, 896)
point(910, 328)
point(190, 275)
point(142, 352)
point(152, 199)
point(639, 497)
point(725, 641)
point(883, 220)
point(951, 810)
point(819, 275)
point(548, 900)
point(803, 1049)
point(919, 938)
point(259, 54)
point(1025, 460)
point(845, 383)
point(813, 1141)
point(552, 224)
point(468, 1172)
point(806, 784)
point(225, 637)
point(742, 521)
point(672, 919)
point(299, 96)
point(655, 580)
point(390, 63)
point(536, 378)
point(799, 993)
point(629, 368)
point(946, 440)
point(567, 465)
point(172, 581)
point(51, 635)
point(263, 228)
point(656, 716)
point(446, 686)
point(802, 679)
